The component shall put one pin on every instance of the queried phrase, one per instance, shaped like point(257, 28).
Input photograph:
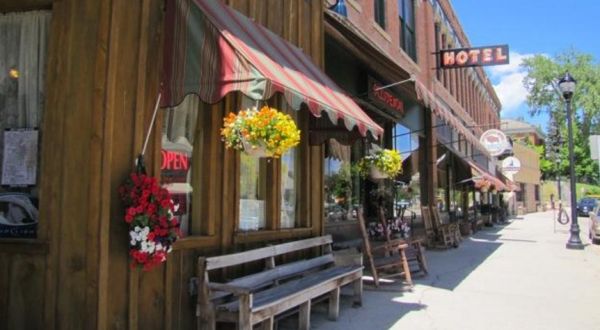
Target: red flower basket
point(149, 213)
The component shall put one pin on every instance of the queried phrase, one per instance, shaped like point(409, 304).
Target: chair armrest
point(229, 288)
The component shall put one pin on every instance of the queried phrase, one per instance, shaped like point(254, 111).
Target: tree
point(541, 83)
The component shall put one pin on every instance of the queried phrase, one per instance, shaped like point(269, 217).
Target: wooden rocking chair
point(387, 259)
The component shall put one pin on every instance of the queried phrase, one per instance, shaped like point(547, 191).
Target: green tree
point(544, 95)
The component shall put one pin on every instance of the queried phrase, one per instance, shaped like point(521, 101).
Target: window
point(380, 13)
point(289, 184)
point(537, 192)
point(521, 192)
point(342, 181)
point(406, 10)
point(23, 52)
point(269, 189)
point(181, 128)
point(408, 184)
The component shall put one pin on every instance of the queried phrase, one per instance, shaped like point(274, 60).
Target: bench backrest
point(265, 253)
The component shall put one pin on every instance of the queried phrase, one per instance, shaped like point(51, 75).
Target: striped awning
point(212, 50)
point(483, 174)
point(447, 117)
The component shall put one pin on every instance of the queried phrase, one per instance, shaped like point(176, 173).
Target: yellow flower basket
point(382, 164)
point(264, 133)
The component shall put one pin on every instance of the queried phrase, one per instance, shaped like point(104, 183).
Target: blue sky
point(528, 27)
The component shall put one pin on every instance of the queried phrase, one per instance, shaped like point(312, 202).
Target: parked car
point(586, 205)
point(594, 232)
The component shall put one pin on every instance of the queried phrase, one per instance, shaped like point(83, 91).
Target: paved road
point(518, 276)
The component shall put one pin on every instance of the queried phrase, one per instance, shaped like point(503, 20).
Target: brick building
point(524, 136)
point(376, 43)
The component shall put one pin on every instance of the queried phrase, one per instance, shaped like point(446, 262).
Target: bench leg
point(334, 304)
point(304, 317)
point(358, 289)
point(267, 324)
point(245, 315)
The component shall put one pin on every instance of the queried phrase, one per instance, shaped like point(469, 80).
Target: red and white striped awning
point(486, 175)
point(212, 50)
point(447, 117)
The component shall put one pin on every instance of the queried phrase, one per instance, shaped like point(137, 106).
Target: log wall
point(101, 85)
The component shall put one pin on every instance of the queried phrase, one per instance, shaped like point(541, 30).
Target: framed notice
point(19, 167)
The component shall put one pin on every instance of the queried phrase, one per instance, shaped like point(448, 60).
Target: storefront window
point(178, 157)
point(253, 192)
point(342, 181)
point(23, 51)
point(408, 184)
point(289, 184)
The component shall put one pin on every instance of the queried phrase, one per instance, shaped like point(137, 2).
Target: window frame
point(379, 13)
point(408, 37)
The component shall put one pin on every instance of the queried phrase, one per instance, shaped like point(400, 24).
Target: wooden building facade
point(102, 76)
point(103, 68)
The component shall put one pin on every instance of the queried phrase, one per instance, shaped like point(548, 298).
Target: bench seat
point(297, 291)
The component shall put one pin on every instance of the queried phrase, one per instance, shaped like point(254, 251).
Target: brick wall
point(459, 92)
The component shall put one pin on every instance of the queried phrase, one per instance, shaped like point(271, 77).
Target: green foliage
point(587, 190)
point(544, 95)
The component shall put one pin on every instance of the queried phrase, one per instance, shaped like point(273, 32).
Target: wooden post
point(334, 304)
point(358, 288)
point(304, 317)
point(268, 324)
point(245, 316)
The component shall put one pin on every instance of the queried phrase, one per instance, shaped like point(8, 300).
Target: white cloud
point(508, 83)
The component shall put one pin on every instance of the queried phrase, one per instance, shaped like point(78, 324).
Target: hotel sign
point(476, 56)
point(383, 97)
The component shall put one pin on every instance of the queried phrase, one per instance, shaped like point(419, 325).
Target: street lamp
point(567, 87)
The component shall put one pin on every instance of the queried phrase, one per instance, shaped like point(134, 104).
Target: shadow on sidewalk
point(447, 269)
point(383, 310)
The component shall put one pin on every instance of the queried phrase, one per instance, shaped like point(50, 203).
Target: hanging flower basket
point(149, 214)
point(482, 185)
point(381, 164)
point(264, 133)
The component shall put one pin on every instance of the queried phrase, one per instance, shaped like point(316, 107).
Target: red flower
point(131, 211)
point(129, 218)
point(164, 203)
point(151, 236)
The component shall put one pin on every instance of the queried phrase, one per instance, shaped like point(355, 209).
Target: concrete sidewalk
point(516, 276)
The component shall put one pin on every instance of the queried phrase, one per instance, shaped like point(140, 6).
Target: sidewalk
point(517, 276)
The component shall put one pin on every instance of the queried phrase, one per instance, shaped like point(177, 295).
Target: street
point(516, 276)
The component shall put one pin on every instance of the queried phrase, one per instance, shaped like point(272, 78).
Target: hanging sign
point(384, 98)
point(511, 165)
point(475, 56)
point(494, 141)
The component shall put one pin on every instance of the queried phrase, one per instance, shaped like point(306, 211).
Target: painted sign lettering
point(476, 56)
point(383, 97)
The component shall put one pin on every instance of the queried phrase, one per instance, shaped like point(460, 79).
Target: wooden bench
point(262, 296)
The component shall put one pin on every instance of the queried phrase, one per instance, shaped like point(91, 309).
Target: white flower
point(133, 242)
point(137, 229)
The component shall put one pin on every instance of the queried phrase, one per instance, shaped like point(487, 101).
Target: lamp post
point(567, 86)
